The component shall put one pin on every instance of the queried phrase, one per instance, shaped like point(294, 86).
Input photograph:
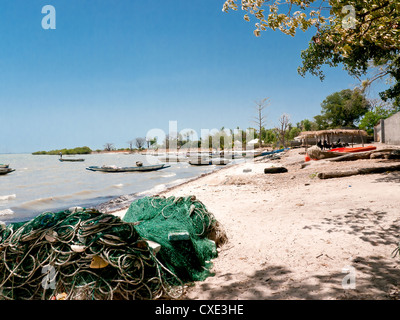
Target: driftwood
point(374, 154)
point(340, 174)
point(352, 156)
point(275, 170)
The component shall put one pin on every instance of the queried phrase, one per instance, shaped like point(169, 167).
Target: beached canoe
point(71, 160)
point(6, 170)
point(357, 149)
point(208, 161)
point(127, 169)
point(201, 162)
point(265, 153)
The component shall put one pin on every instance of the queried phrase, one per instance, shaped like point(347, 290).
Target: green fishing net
point(182, 226)
point(84, 254)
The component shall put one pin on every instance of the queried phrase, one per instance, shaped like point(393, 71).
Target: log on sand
point(352, 156)
point(347, 173)
point(384, 153)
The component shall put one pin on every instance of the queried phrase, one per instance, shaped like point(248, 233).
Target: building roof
point(349, 132)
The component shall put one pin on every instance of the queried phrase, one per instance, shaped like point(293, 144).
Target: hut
point(349, 136)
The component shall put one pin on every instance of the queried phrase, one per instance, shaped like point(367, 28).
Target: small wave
point(154, 190)
point(8, 197)
point(44, 201)
point(119, 185)
point(178, 181)
point(6, 212)
point(37, 202)
point(169, 175)
point(82, 193)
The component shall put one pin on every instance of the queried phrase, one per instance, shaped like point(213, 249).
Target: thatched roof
point(348, 132)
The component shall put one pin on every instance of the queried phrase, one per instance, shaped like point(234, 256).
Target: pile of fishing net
point(85, 254)
point(187, 232)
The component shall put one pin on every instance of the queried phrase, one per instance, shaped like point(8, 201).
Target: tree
point(371, 119)
point(270, 136)
point(140, 142)
point(321, 122)
point(307, 125)
point(294, 132)
point(356, 34)
point(282, 128)
point(109, 146)
point(379, 110)
point(131, 142)
point(342, 109)
point(259, 119)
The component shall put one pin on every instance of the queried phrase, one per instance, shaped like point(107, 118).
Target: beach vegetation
point(372, 117)
point(268, 136)
point(78, 150)
point(313, 175)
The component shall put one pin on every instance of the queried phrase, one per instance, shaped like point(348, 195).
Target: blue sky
point(113, 70)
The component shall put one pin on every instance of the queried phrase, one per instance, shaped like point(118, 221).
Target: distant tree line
point(78, 150)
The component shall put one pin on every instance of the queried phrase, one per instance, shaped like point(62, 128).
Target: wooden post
point(362, 139)
point(306, 143)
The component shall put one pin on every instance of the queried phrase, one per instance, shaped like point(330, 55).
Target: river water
point(43, 183)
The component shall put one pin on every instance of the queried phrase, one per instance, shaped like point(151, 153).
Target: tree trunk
point(352, 156)
point(340, 174)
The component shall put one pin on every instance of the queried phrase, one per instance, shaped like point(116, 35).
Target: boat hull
point(357, 149)
point(4, 171)
point(127, 169)
point(71, 160)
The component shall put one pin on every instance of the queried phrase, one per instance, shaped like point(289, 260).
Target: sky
point(112, 71)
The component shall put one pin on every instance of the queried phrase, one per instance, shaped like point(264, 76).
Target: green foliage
point(79, 150)
point(293, 132)
point(268, 136)
point(372, 117)
point(307, 125)
point(355, 34)
point(342, 109)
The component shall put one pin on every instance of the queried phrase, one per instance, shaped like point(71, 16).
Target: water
point(42, 183)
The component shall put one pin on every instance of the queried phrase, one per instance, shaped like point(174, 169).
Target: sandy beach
point(295, 236)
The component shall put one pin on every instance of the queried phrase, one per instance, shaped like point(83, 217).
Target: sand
point(294, 236)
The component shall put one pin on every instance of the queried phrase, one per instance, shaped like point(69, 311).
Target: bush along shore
point(78, 150)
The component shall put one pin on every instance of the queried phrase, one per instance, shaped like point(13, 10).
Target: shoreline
point(105, 207)
point(293, 236)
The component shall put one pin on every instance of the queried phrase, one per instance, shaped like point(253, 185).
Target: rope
point(132, 271)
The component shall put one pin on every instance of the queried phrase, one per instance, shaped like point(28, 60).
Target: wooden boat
point(220, 161)
point(208, 161)
point(3, 166)
point(71, 160)
point(6, 170)
point(357, 149)
point(127, 169)
point(173, 158)
point(273, 152)
point(201, 161)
